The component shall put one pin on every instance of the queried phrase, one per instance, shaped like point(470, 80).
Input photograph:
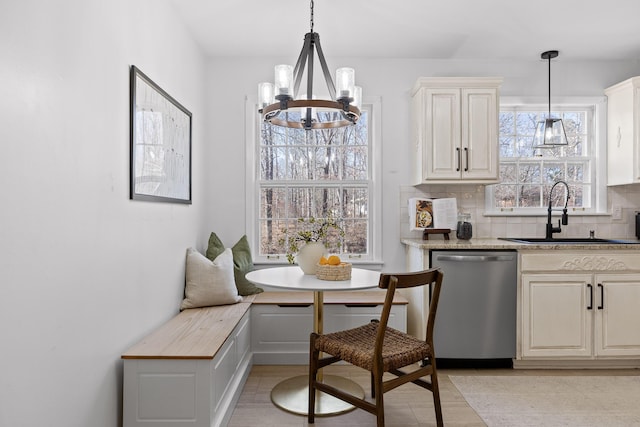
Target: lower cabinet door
point(617, 331)
point(557, 315)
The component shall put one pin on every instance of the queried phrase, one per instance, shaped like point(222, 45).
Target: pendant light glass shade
point(550, 132)
point(345, 83)
point(357, 97)
point(283, 77)
point(265, 94)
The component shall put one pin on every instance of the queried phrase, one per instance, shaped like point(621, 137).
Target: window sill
point(373, 265)
point(542, 213)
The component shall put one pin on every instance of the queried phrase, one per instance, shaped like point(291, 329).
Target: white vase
point(309, 256)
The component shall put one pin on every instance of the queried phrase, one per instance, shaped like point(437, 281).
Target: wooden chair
point(379, 349)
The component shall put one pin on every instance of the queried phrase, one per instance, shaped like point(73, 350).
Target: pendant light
point(550, 131)
point(276, 99)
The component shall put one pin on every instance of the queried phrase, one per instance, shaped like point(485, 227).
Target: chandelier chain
point(311, 19)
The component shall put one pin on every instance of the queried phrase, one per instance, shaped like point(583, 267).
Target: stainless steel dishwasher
point(476, 318)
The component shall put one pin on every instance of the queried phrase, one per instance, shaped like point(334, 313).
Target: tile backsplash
point(471, 199)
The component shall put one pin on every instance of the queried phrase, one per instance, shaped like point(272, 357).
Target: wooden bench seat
point(196, 333)
point(199, 333)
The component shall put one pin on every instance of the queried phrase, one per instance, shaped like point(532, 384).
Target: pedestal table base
point(292, 395)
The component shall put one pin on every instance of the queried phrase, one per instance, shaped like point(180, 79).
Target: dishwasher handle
point(474, 258)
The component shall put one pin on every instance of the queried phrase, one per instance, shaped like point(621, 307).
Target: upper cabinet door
point(455, 130)
point(443, 159)
point(623, 132)
point(480, 134)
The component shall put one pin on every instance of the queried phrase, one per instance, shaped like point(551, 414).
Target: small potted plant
point(307, 244)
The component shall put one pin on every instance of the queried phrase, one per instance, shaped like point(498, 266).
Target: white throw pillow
point(208, 282)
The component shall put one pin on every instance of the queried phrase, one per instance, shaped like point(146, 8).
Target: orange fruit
point(334, 260)
point(323, 261)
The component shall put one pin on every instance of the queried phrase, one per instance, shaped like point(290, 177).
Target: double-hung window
point(527, 173)
point(325, 173)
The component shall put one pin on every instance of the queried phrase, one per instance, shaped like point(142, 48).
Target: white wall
point(84, 271)
point(231, 79)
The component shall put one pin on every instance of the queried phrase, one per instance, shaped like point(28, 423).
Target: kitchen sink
point(568, 240)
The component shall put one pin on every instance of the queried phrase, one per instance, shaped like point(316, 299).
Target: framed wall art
point(160, 143)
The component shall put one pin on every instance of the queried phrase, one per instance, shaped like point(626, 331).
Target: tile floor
point(406, 406)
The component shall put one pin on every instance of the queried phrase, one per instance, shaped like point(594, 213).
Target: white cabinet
point(617, 315)
point(623, 132)
point(583, 305)
point(556, 315)
point(455, 130)
point(418, 310)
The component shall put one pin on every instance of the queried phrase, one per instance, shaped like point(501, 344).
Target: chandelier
point(550, 131)
point(276, 100)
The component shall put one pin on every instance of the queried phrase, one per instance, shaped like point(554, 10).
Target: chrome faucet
point(565, 217)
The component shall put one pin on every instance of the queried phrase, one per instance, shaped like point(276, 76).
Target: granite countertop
point(479, 244)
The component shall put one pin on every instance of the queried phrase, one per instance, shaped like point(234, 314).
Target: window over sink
point(527, 174)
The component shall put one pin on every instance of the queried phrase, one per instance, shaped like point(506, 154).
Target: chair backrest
point(391, 282)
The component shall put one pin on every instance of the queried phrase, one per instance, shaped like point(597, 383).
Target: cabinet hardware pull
point(466, 154)
point(361, 305)
point(295, 305)
point(474, 258)
point(590, 306)
point(459, 159)
point(619, 136)
point(601, 306)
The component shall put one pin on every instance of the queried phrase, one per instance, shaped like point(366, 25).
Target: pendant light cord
point(549, 87)
point(311, 19)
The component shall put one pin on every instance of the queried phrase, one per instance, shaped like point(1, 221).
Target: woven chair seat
point(356, 347)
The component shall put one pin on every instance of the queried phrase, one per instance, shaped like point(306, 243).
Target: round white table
point(292, 394)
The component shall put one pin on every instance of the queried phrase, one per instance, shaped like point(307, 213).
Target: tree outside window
point(315, 174)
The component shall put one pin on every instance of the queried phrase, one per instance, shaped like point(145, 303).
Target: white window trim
point(252, 188)
point(599, 104)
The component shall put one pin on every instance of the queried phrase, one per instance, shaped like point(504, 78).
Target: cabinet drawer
point(580, 261)
point(339, 317)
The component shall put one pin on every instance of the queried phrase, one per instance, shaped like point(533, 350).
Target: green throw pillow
point(242, 262)
point(216, 247)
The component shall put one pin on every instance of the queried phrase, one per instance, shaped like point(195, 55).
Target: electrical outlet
point(616, 213)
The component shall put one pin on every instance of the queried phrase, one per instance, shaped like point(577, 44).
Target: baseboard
point(449, 363)
point(281, 358)
point(577, 364)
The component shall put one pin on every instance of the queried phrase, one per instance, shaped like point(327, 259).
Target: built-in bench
point(191, 370)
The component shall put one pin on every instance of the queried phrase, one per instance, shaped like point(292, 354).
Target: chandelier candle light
point(550, 131)
point(276, 99)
